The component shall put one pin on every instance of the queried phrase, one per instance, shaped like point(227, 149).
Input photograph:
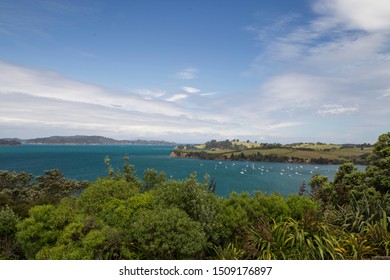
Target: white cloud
point(298, 90)
point(386, 94)
point(284, 125)
point(208, 93)
point(187, 74)
point(38, 102)
point(339, 57)
point(368, 15)
point(35, 100)
point(190, 90)
point(336, 109)
point(48, 84)
point(150, 93)
point(177, 97)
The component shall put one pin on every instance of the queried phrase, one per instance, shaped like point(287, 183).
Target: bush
point(167, 233)
point(300, 205)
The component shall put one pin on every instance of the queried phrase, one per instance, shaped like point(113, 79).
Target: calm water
point(86, 162)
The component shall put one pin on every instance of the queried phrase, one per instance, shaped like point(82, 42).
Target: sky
point(192, 71)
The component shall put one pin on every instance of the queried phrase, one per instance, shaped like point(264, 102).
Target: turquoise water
point(86, 162)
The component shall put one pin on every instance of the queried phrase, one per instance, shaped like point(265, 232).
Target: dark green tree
point(152, 179)
point(53, 186)
point(168, 233)
point(8, 244)
point(378, 174)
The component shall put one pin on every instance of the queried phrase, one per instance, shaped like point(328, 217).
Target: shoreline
point(271, 157)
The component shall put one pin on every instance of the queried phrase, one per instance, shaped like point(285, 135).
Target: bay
point(86, 162)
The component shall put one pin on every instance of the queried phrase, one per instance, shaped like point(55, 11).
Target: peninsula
point(316, 153)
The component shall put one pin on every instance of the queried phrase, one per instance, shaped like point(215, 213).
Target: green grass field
point(338, 154)
point(318, 147)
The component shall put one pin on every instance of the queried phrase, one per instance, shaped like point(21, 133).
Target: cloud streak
point(190, 90)
point(336, 109)
point(187, 74)
point(35, 101)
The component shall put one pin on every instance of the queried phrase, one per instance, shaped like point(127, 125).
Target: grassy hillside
point(303, 152)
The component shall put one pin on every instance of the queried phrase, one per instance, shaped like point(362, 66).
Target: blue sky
point(191, 71)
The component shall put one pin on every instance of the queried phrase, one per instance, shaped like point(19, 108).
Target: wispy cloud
point(368, 15)
point(190, 90)
point(36, 101)
point(187, 74)
point(386, 94)
point(177, 97)
point(208, 93)
point(284, 125)
point(187, 92)
point(333, 65)
point(336, 109)
point(48, 84)
point(150, 93)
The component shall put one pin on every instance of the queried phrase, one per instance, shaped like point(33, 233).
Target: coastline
point(269, 156)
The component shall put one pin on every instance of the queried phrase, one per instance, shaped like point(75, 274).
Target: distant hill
point(92, 140)
point(10, 142)
point(317, 153)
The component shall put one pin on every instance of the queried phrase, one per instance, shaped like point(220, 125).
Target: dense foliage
point(122, 216)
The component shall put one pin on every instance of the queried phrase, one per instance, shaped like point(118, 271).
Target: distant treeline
point(10, 142)
point(315, 153)
point(236, 145)
point(362, 159)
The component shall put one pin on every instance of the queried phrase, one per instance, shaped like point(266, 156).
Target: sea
point(86, 162)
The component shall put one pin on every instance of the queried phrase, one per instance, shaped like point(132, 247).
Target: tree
point(89, 238)
point(382, 146)
point(300, 205)
point(103, 191)
point(167, 233)
point(302, 188)
point(348, 174)
point(195, 199)
point(38, 230)
point(21, 191)
point(16, 191)
point(152, 178)
point(321, 188)
point(8, 222)
point(128, 171)
point(378, 174)
point(53, 186)
point(347, 178)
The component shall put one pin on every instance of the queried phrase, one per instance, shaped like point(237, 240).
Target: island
point(315, 153)
point(10, 142)
point(92, 140)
